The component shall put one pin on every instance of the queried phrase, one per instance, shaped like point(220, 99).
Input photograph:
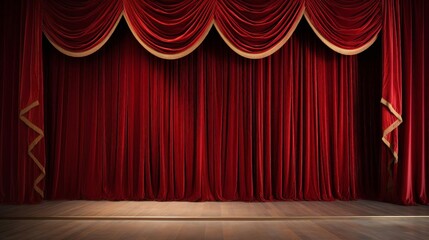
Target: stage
point(214, 220)
point(214, 119)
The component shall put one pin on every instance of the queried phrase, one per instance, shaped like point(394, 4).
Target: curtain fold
point(169, 30)
point(209, 126)
point(256, 29)
point(79, 28)
point(347, 27)
point(391, 96)
point(412, 172)
point(22, 151)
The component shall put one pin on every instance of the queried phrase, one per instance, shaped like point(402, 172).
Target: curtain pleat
point(411, 173)
point(127, 125)
point(9, 103)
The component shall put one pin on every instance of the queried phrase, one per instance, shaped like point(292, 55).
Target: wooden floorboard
point(213, 220)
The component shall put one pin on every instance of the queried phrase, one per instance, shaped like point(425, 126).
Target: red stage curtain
point(22, 150)
point(79, 28)
point(125, 124)
point(392, 72)
point(174, 29)
point(31, 156)
point(412, 179)
point(391, 94)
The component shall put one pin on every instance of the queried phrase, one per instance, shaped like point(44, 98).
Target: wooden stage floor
point(213, 220)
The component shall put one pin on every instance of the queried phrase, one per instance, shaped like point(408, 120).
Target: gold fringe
point(33, 144)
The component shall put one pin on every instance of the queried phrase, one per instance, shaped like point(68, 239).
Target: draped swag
point(174, 29)
point(170, 30)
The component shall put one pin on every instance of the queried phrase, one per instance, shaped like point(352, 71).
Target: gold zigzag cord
point(33, 144)
point(392, 127)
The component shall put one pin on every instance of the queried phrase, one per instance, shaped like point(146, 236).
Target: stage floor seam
point(197, 218)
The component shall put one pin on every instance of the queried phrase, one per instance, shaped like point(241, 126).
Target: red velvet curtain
point(251, 29)
point(22, 120)
point(209, 126)
point(412, 171)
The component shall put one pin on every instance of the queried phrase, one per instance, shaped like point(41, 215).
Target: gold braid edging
point(392, 127)
point(33, 144)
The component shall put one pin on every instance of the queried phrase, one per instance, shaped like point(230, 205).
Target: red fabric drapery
point(411, 183)
point(347, 27)
point(170, 30)
point(79, 29)
point(31, 105)
point(22, 151)
point(392, 75)
point(209, 126)
point(256, 29)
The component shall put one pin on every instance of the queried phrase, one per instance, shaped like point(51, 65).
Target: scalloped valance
point(171, 30)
